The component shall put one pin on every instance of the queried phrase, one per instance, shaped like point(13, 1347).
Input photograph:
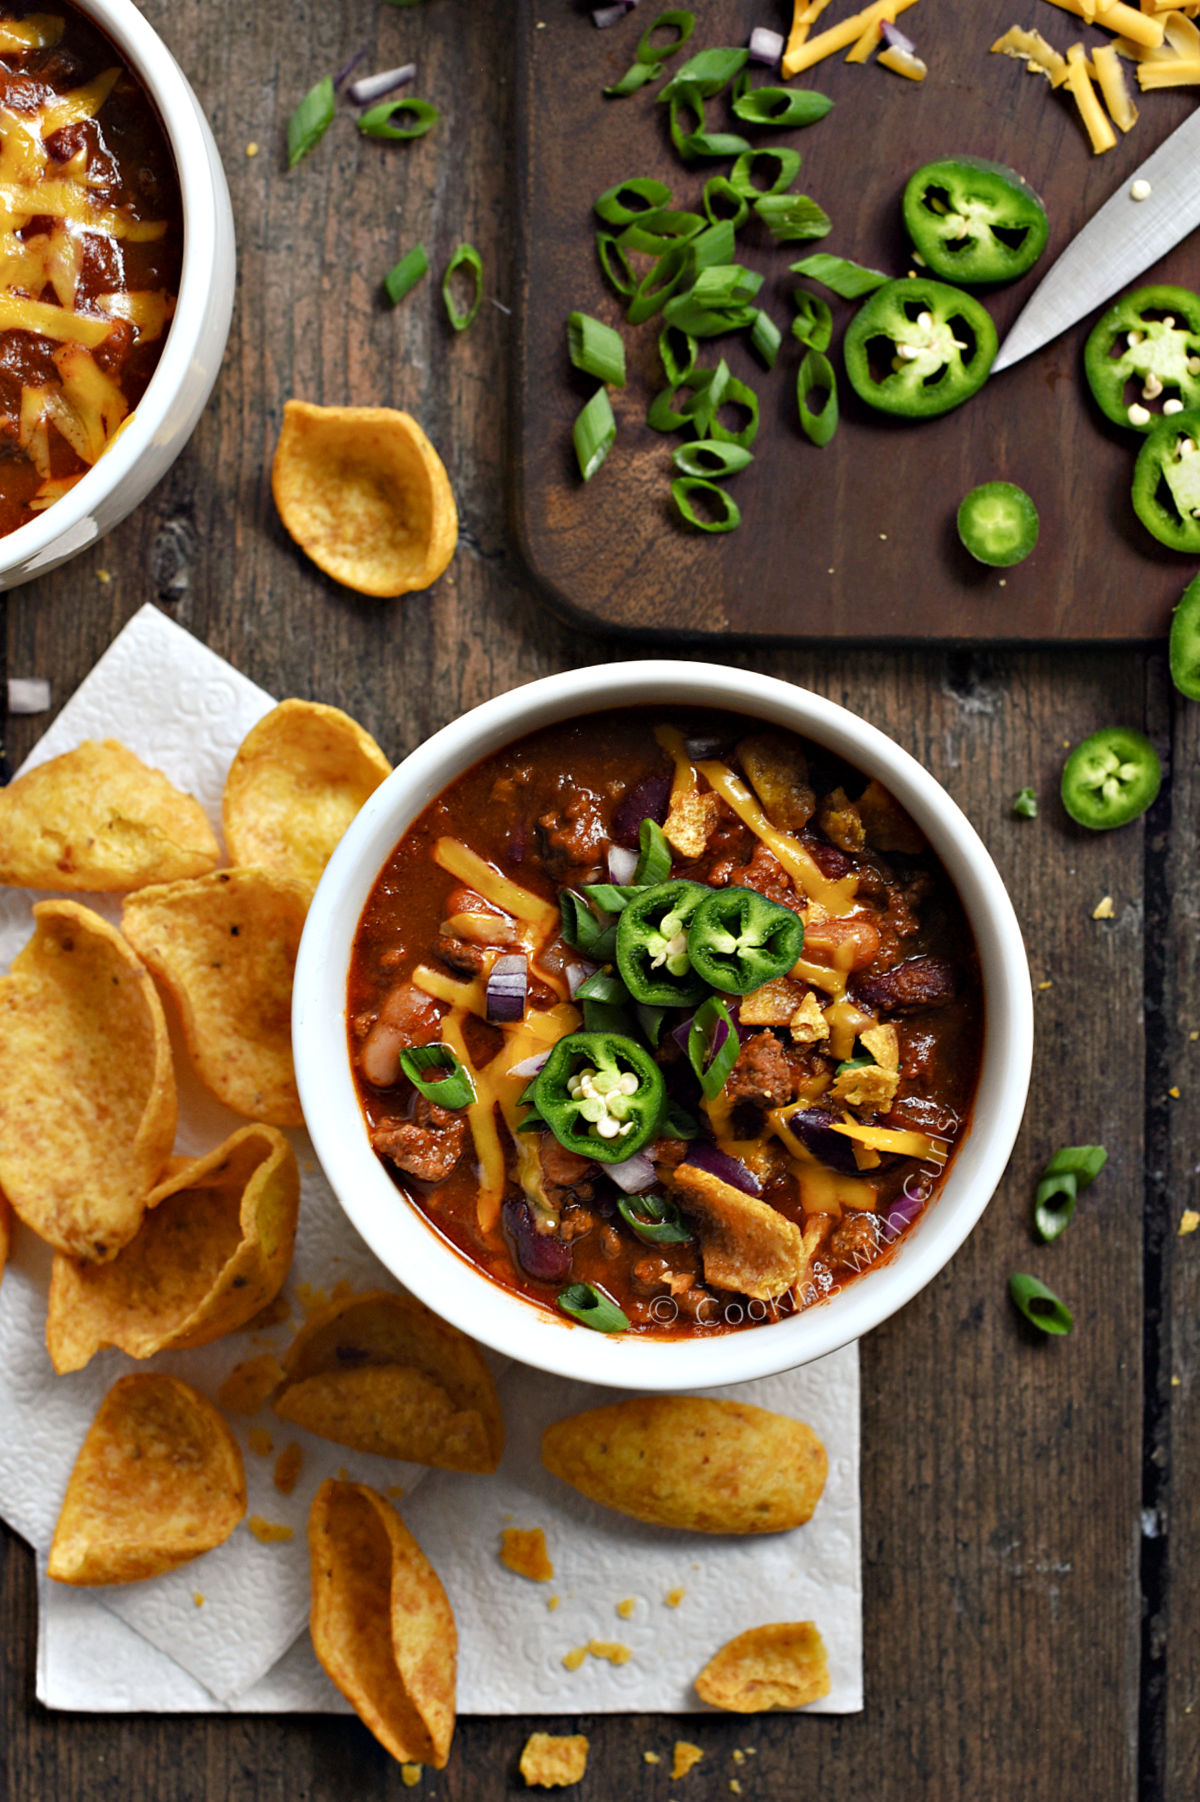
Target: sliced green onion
point(664, 414)
point(310, 121)
point(599, 1016)
point(714, 245)
point(717, 189)
point(581, 929)
point(815, 376)
point(1025, 804)
point(654, 855)
point(659, 231)
point(708, 392)
point(782, 107)
point(1083, 1162)
point(850, 280)
point(595, 433)
point(678, 20)
point(728, 513)
point(650, 1019)
point(465, 257)
point(741, 176)
point(410, 270)
point(694, 142)
point(659, 283)
point(612, 899)
point(726, 285)
point(736, 394)
point(677, 354)
point(591, 1307)
point(654, 1219)
point(711, 1068)
point(596, 349)
point(635, 77)
point(452, 1088)
point(699, 320)
point(766, 337)
point(677, 1123)
point(1073, 1168)
point(792, 217)
point(376, 122)
point(708, 70)
point(1040, 1306)
point(615, 263)
point(711, 460)
point(813, 324)
point(603, 987)
point(645, 196)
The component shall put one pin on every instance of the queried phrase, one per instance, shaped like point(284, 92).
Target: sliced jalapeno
point(1185, 642)
point(652, 945)
point(974, 221)
point(1166, 481)
point(1111, 778)
point(738, 939)
point(998, 524)
point(1143, 355)
point(917, 348)
point(602, 1095)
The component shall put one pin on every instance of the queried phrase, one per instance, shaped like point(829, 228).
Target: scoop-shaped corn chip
point(380, 1373)
point(213, 1248)
point(224, 948)
point(687, 1461)
point(159, 1479)
point(782, 1665)
point(381, 1623)
point(5, 1234)
point(365, 495)
point(98, 818)
point(87, 1088)
point(746, 1244)
point(298, 780)
point(553, 1761)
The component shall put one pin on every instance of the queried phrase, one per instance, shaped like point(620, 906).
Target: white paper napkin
point(155, 1646)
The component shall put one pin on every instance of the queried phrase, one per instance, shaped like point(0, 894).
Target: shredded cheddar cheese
point(1031, 48)
point(803, 55)
point(835, 897)
point(1110, 78)
point(1079, 83)
point(488, 881)
point(1139, 27)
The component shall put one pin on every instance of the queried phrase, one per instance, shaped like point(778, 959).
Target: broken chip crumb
point(575, 1657)
point(287, 1468)
point(1173, 1092)
point(611, 1649)
point(1175, 1381)
point(673, 1597)
point(625, 1609)
point(310, 1299)
point(252, 150)
point(739, 1757)
point(269, 1532)
point(686, 1756)
point(1189, 1222)
point(735, 1786)
point(552, 1761)
point(246, 1388)
point(651, 1757)
point(261, 1442)
point(1104, 910)
point(343, 1474)
point(1192, 1037)
point(523, 1549)
point(553, 1602)
point(1045, 985)
point(198, 1598)
point(395, 1492)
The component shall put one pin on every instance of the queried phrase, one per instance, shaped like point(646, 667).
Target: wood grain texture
point(1002, 1477)
point(857, 540)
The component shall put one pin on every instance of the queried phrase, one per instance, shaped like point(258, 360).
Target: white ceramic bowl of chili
point(428, 1265)
point(167, 414)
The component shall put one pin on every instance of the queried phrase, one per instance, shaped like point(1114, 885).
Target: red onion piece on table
point(896, 40)
point(347, 69)
point(604, 16)
point(369, 88)
point(766, 46)
point(622, 865)
point(507, 987)
point(541, 1255)
point(717, 1163)
point(634, 1175)
point(648, 799)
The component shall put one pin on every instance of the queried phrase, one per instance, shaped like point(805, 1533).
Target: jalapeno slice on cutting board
point(974, 221)
point(1166, 481)
point(1143, 355)
point(601, 1095)
point(998, 524)
point(1185, 642)
point(1111, 778)
point(917, 348)
point(738, 940)
point(652, 945)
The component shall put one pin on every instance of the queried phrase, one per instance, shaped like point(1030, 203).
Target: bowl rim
point(182, 121)
point(411, 1248)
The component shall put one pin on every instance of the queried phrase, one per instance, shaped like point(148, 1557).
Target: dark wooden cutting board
point(857, 540)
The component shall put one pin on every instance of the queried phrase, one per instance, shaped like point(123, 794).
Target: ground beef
point(855, 1242)
point(574, 839)
point(762, 1073)
point(839, 821)
point(565, 1175)
point(464, 958)
point(428, 1146)
point(766, 874)
point(921, 982)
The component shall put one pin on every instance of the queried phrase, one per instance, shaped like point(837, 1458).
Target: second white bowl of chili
point(735, 1159)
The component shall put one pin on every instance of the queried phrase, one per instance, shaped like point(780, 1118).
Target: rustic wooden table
point(1029, 1507)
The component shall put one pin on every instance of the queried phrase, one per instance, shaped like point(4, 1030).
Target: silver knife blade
point(1116, 245)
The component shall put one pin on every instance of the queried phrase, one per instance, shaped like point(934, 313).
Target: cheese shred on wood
point(1079, 82)
point(806, 52)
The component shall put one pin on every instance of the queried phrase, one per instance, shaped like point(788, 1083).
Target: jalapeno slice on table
point(652, 945)
point(1143, 356)
point(917, 348)
point(1166, 482)
point(973, 220)
point(738, 940)
point(600, 1094)
point(1185, 642)
point(998, 524)
point(1111, 778)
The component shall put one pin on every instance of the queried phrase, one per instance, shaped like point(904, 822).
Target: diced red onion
point(577, 975)
point(813, 1126)
point(369, 88)
point(347, 69)
point(604, 16)
point(895, 39)
point(648, 799)
point(507, 987)
point(634, 1175)
point(681, 1034)
point(622, 865)
point(902, 1213)
point(28, 694)
point(543, 1256)
point(530, 1067)
point(717, 1163)
point(766, 46)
